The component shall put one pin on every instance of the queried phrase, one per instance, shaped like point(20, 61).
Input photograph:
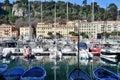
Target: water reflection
point(58, 69)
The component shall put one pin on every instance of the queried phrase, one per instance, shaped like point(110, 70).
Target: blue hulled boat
point(35, 73)
point(78, 74)
point(3, 68)
point(105, 74)
point(14, 73)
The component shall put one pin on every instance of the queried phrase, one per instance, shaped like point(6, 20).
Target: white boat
point(39, 58)
point(108, 55)
point(109, 61)
point(66, 49)
point(84, 54)
point(9, 47)
point(55, 55)
point(37, 49)
point(110, 52)
point(54, 52)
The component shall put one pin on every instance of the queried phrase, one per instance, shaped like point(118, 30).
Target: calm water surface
point(60, 69)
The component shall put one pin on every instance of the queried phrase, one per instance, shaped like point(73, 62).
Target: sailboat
point(55, 53)
point(77, 73)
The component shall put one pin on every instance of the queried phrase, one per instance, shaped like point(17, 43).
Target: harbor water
point(59, 69)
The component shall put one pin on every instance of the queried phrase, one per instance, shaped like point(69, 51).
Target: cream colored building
point(25, 32)
point(94, 28)
point(44, 28)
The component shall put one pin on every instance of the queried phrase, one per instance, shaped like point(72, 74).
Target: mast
point(92, 11)
point(117, 23)
point(41, 15)
point(67, 20)
point(78, 52)
point(55, 16)
point(29, 21)
point(41, 11)
point(105, 24)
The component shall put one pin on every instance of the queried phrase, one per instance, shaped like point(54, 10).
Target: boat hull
point(3, 68)
point(108, 54)
point(95, 50)
point(104, 74)
point(35, 73)
point(14, 74)
point(78, 74)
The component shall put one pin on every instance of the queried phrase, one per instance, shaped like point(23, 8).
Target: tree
point(84, 35)
point(73, 33)
point(6, 2)
point(58, 35)
point(112, 12)
point(105, 34)
point(23, 1)
point(50, 34)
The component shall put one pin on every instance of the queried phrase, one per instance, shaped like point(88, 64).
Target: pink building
point(8, 31)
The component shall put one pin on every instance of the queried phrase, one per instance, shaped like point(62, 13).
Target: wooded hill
point(17, 12)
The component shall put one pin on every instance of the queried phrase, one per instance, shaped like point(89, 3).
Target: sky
point(101, 3)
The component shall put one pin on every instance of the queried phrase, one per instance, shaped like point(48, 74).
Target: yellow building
point(63, 29)
point(25, 32)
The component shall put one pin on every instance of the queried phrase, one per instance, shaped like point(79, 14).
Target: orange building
point(8, 31)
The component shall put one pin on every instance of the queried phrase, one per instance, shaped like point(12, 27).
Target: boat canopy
point(82, 45)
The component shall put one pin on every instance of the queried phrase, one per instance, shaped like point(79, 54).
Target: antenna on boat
point(29, 21)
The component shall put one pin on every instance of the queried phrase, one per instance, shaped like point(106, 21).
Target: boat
point(78, 74)
point(38, 49)
point(95, 50)
point(3, 68)
point(55, 53)
point(66, 49)
point(14, 73)
point(109, 52)
point(105, 74)
point(28, 53)
point(109, 61)
point(9, 47)
point(84, 53)
point(34, 73)
point(95, 47)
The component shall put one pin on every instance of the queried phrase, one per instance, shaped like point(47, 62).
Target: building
point(63, 29)
point(25, 32)
point(8, 31)
point(92, 29)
